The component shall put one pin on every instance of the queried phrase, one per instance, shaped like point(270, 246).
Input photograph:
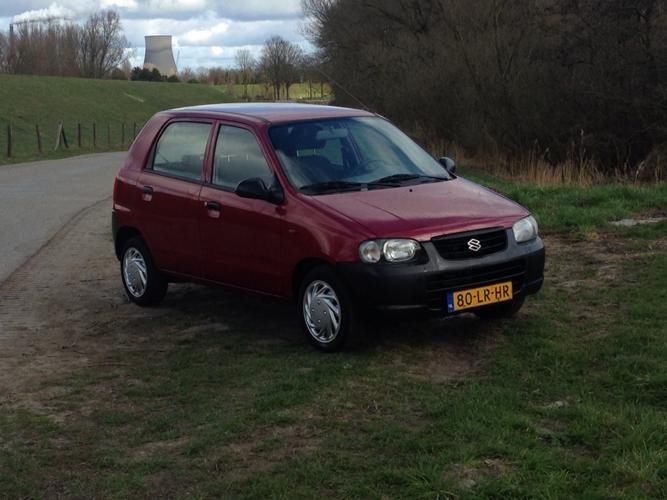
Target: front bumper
point(424, 285)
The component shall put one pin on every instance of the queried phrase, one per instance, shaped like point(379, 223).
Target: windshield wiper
point(322, 187)
point(397, 179)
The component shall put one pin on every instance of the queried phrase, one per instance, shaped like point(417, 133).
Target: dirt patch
point(445, 350)
point(65, 310)
point(467, 476)
point(159, 448)
point(266, 449)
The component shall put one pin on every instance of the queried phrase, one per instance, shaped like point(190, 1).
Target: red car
point(333, 207)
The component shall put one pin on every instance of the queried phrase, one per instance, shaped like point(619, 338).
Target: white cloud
point(119, 4)
point(53, 10)
point(205, 32)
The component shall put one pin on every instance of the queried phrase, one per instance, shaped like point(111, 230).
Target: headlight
point(370, 251)
point(399, 250)
point(394, 250)
point(525, 229)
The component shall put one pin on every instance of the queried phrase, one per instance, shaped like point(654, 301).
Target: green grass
point(581, 209)
point(259, 91)
point(26, 101)
point(567, 401)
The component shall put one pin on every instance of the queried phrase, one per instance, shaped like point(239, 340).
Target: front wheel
point(326, 312)
point(143, 282)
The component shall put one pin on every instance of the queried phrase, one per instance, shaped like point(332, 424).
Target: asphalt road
point(39, 198)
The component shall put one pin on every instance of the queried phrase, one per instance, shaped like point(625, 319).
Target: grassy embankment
point(568, 400)
point(26, 101)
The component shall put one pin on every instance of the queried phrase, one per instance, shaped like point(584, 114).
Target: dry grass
point(578, 169)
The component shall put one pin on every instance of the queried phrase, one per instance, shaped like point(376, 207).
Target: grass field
point(568, 400)
point(26, 101)
point(29, 100)
point(258, 91)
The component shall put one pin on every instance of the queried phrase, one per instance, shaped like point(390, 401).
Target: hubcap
point(321, 311)
point(134, 272)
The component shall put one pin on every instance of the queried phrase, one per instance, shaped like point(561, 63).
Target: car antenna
point(366, 108)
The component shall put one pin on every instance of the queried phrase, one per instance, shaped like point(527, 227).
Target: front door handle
point(212, 205)
point(147, 190)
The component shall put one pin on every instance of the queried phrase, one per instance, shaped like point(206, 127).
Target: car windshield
point(351, 154)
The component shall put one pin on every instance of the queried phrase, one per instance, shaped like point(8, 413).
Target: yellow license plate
point(475, 297)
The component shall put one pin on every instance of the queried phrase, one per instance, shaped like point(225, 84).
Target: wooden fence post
point(39, 138)
point(78, 135)
point(122, 134)
point(61, 137)
point(94, 135)
point(9, 140)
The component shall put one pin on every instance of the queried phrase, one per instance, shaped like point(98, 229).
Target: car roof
point(271, 112)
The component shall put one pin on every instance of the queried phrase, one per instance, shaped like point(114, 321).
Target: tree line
point(94, 49)
point(563, 78)
point(97, 49)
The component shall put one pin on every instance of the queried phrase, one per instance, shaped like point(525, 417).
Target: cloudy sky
point(205, 32)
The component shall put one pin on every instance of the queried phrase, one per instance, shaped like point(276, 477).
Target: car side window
point(180, 149)
point(238, 157)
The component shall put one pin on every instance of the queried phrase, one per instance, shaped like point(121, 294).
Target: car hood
point(425, 210)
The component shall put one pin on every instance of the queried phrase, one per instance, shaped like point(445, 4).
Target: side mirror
point(256, 189)
point(448, 163)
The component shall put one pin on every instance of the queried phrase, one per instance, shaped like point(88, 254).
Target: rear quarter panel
point(126, 194)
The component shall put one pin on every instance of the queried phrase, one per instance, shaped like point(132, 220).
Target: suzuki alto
point(334, 208)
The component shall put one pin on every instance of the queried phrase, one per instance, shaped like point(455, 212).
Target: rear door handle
point(212, 205)
point(147, 190)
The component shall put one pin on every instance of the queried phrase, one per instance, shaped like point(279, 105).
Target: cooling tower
point(159, 54)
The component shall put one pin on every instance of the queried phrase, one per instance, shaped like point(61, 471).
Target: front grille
point(456, 246)
point(440, 283)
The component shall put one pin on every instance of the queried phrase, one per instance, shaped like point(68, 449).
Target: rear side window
point(180, 150)
point(238, 157)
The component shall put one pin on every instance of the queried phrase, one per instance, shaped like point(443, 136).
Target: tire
point(502, 310)
point(326, 313)
point(143, 282)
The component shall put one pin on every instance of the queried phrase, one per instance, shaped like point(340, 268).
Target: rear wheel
point(143, 282)
point(326, 313)
point(501, 310)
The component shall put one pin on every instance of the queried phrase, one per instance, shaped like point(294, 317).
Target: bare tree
point(280, 63)
point(187, 74)
point(202, 74)
point(507, 77)
point(273, 61)
point(102, 44)
point(4, 52)
point(293, 65)
point(245, 62)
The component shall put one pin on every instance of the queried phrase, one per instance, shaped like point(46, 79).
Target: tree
point(102, 44)
point(280, 62)
point(4, 52)
point(187, 75)
point(245, 63)
point(292, 69)
point(505, 77)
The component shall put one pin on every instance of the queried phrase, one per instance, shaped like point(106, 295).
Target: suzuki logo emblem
point(474, 245)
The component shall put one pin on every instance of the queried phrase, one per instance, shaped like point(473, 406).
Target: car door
point(170, 186)
point(240, 236)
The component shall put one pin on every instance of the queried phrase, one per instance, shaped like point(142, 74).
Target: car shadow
point(264, 319)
